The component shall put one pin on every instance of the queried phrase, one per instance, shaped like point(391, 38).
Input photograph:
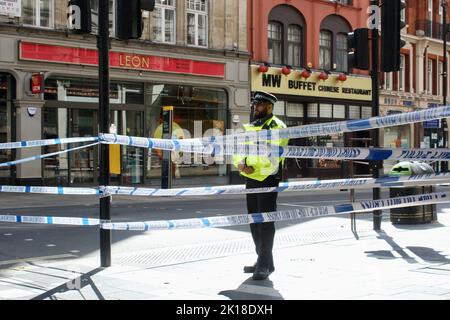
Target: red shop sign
point(36, 83)
point(82, 56)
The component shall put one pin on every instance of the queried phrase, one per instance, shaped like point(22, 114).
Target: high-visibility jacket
point(263, 165)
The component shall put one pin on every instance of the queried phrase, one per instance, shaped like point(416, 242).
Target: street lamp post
point(444, 3)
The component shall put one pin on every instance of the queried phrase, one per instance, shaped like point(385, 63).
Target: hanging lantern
point(286, 71)
point(342, 77)
point(263, 68)
point(323, 76)
point(305, 74)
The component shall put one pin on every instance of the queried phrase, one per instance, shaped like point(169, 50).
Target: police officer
point(262, 171)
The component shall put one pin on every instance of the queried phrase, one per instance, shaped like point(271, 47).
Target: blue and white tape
point(47, 155)
point(70, 221)
point(296, 214)
point(284, 133)
point(42, 143)
point(240, 219)
point(49, 190)
point(294, 186)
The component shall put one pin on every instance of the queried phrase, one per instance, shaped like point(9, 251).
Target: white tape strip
point(41, 143)
point(241, 219)
point(47, 155)
point(49, 190)
point(285, 133)
point(297, 214)
point(295, 186)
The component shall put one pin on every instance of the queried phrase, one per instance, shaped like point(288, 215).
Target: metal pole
point(375, 165)
point(166, 174)
point(103, 75)
point(444, 164)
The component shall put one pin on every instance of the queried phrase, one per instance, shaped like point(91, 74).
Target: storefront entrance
point(7, 94)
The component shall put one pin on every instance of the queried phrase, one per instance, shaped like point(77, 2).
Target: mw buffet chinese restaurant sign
point(348, 87)
point(125, 60)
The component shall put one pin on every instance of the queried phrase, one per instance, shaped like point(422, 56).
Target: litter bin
point(418, 214)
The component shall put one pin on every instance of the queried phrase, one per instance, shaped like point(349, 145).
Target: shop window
point(198, 112)
point(327, 141)
point(286, 36)
point(94, 17)
point(7, 89)
point(312, 111)
point(294, 110)
point(366, 112)
point(326, 110)
point(275, 36)
point(197, 22)
point(339, 111)
point(278, 108)
point(38, 13)
point(325, 48)
point(163, 21)
point(354, 112)
point(294, 45)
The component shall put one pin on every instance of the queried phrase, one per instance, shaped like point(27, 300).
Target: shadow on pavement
point(254, 290)
point(75, 284)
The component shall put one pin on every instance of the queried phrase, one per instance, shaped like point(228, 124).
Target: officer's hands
point(246, 169)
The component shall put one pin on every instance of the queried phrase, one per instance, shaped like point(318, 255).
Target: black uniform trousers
point(263, 233)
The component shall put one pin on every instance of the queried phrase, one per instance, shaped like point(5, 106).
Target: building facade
point(192, 56)
point(419, 82)
point(299, 52)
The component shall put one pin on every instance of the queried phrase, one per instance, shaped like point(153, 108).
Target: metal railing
point(430, 29)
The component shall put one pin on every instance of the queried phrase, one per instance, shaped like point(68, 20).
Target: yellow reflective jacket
point(263, 165)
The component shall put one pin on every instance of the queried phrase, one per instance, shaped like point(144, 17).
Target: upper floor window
point(94, 17)
point(401, 74)
point(430, 15)
point(275, 36)
point(325, 48)
point(403, 12)
point(163, 20)
point(38, 13)
point(439, 78)
point(294, 45)
point(285, 33)
point(333, 43)
point(341, 52)
point(429, 76)
point(197, 22)
point(388, 80)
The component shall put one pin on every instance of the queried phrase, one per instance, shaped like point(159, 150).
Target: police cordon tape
point(240, 219)
point(294, 186)
point(285, 133)
point(47, 155)
point(303, 152)
point(46, 142)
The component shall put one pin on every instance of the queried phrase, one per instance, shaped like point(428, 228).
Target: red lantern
point(263, 68)
point(305, 74)
point(323, 76)
point(342, 77)
point(286, 71)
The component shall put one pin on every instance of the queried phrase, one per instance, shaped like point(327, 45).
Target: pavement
point(321, 258)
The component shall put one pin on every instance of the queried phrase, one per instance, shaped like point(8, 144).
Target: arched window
point(275, 36)
point(286, 31)
point(333, 43)
point(294, 45)
point(325, 49)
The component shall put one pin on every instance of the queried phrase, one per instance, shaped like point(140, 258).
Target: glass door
point(130, 123)
point(83, 162)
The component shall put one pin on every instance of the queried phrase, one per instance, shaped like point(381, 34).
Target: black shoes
point(251, 269)
point(261, 273)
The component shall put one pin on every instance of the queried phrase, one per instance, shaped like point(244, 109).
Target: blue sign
point(432, 124)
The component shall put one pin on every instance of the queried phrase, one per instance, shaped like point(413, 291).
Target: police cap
point(261, 96)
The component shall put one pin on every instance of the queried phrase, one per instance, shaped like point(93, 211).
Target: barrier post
point(103, 77)
point(166, 168)
point(375, 165)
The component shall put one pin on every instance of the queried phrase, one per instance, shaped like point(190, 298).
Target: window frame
point(37, 15)
point(345, 51)
point(401, 74)
point(321, 48)
point(112, 18)
point(440, 69)
point(430, 76)
point(196, 14)
point(388, 75)
point(295, 45)
point(274, 40)
point(164, 8)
